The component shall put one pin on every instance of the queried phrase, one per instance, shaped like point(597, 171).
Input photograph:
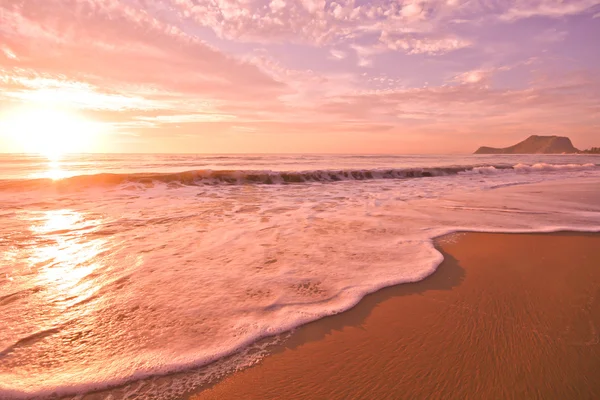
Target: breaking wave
point(269, 177)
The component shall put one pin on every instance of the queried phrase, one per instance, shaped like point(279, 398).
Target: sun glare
point(50, 132)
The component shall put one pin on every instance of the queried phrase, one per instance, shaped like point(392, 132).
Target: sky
point(306, 76)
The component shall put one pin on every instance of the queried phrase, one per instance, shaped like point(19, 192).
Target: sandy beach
point(505, 316)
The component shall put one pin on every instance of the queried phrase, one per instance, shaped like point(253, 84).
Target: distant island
point(540, 145)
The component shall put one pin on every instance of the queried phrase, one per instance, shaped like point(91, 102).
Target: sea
point(150, 276)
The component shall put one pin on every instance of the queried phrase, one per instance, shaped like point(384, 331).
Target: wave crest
point(268, 177)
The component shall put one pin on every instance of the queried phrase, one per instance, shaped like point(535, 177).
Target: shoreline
point(348, 337)
point(319, 330)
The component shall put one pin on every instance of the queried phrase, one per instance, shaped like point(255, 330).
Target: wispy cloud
point(338, 54)
point(547, 8)
point(473, 77)
point(424, 44)
point(552, 35)
point(8, 53)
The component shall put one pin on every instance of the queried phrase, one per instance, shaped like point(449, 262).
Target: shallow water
point(505, 316)
point(111, 279)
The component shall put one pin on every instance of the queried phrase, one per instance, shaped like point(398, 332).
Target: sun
point(50, 131)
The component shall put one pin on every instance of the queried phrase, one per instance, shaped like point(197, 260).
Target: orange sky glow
point(310, 76)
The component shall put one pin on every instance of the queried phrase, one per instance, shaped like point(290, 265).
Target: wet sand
point(506, 316)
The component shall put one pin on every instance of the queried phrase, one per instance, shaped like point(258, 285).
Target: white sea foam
point(103, 286)
point(537, 167)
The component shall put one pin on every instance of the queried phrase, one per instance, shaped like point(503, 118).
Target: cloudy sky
point(352, 76)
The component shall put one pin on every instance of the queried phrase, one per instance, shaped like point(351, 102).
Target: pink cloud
point(478, 76)
point(337, 54)
point(118, 43)
point(547, 8)
point(423, 44)
point(319, 23)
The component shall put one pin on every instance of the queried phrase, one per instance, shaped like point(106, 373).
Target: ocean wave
point(539, 167)
point(269, 177)
point(120, 288)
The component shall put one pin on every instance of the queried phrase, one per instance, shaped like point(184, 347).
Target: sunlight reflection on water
point(65, 255)
point(55, 170)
